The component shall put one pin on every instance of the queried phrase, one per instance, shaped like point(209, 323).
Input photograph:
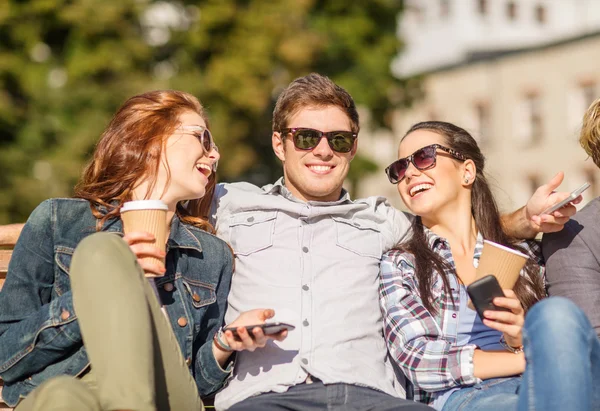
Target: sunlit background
point(517, 74)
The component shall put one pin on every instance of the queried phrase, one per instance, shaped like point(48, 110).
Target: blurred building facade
point(518, 75)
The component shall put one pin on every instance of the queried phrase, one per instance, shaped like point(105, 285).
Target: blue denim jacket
point(37, 343)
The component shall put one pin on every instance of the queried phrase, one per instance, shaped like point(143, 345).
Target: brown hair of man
point(313, 90)
point(590, 132)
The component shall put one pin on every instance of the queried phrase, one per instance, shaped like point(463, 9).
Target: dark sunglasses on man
point(423, 159)
point(308, 139)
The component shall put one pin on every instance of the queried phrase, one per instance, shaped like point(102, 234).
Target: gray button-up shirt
point(317, 265)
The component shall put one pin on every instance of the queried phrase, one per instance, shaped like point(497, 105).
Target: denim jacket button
point(196, 297)
point(65, 315)
point(168, 287)
point(188, 361)
point(182, 322)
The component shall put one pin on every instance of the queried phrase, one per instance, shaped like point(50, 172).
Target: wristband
point(514, 350)
point(219, 343)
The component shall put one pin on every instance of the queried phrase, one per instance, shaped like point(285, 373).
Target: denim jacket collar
point(180, 236)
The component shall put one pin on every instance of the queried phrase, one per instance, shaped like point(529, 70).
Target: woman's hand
point(257, 338)
point(141, 245)
point(509, 323)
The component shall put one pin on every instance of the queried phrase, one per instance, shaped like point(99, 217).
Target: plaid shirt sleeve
point(414, 338)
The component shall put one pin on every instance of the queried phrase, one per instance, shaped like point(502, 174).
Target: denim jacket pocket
point(361, 237)
point(62, 258)
point(252, 231)
point(200, 294)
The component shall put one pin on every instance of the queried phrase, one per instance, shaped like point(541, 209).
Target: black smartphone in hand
point(268, 328)
point(483, 292)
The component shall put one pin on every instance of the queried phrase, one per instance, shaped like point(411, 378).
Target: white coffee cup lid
point(144, 205)
point(510, 250)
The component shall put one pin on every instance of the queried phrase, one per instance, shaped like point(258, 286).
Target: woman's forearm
point(493, 364)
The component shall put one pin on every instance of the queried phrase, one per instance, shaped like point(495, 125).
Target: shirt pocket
point(252, 231)
point(361, 237)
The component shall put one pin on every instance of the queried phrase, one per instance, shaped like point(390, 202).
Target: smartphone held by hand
point(482, 293)
point(268, 328)
point(574, 194)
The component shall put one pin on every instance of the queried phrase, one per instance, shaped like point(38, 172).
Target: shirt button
point(305, 287)
point(305, 249)
point(182, 322)
point(356, 225)
point(168, 287)
point(304, 361)
point(65, 315)
point(454, 315)
point(196, 297)
point(305, 323)
point(250, 219)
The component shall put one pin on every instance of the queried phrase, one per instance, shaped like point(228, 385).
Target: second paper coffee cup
point(149, 216)
point(502, 262)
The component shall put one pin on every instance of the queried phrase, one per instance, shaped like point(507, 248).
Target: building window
point(444, 8)
point(482, 122)
point(482, 7)
point(540, 14)
point(580, 98)
point(529, 122)
point(511, 10)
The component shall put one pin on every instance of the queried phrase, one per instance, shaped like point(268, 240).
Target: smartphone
point(268, 328)
point(483, 292)
point(576, 193)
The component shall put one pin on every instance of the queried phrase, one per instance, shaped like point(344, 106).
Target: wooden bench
point(8, 238)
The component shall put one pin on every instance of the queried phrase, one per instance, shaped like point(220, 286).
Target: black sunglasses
point(308, 139)
point(423, 159)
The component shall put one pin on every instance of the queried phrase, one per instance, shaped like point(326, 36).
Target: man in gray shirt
point(308, 251)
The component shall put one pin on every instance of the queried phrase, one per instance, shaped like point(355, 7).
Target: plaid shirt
point(425, 345)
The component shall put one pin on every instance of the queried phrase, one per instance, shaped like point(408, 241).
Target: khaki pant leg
point(61, 394)
point(135, 357)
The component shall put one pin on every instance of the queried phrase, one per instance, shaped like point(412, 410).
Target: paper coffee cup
point(502, 262)
point(149, 216)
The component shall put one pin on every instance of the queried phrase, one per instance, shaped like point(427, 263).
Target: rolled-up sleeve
point(414, 339)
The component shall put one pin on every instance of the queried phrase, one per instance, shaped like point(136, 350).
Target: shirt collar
point(437, 242)
point(279, 188)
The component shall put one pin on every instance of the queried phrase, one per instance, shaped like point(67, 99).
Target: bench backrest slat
point(8, 238)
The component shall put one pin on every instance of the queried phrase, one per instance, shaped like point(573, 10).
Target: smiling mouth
point(320, 169)
point(204, 169)
point(419, 189)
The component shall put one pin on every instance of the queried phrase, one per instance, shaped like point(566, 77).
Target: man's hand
point(258, 339)
point(543, 198)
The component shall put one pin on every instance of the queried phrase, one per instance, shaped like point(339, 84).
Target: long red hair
point(129, 152)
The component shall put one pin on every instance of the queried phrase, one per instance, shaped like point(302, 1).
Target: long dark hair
point(130, 149)
point(529, 288)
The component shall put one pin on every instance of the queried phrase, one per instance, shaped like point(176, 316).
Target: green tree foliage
point(67, 65)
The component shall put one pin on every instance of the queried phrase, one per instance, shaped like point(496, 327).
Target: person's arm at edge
point(528, 221)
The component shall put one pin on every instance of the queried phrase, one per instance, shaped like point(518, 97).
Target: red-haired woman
point(81, 326)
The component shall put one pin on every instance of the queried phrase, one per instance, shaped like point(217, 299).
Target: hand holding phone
point(483, 292)
point(268, 328)
point(574, 194)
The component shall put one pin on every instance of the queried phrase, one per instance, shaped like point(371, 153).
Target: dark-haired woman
point(456, 361)
point(81, 326)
